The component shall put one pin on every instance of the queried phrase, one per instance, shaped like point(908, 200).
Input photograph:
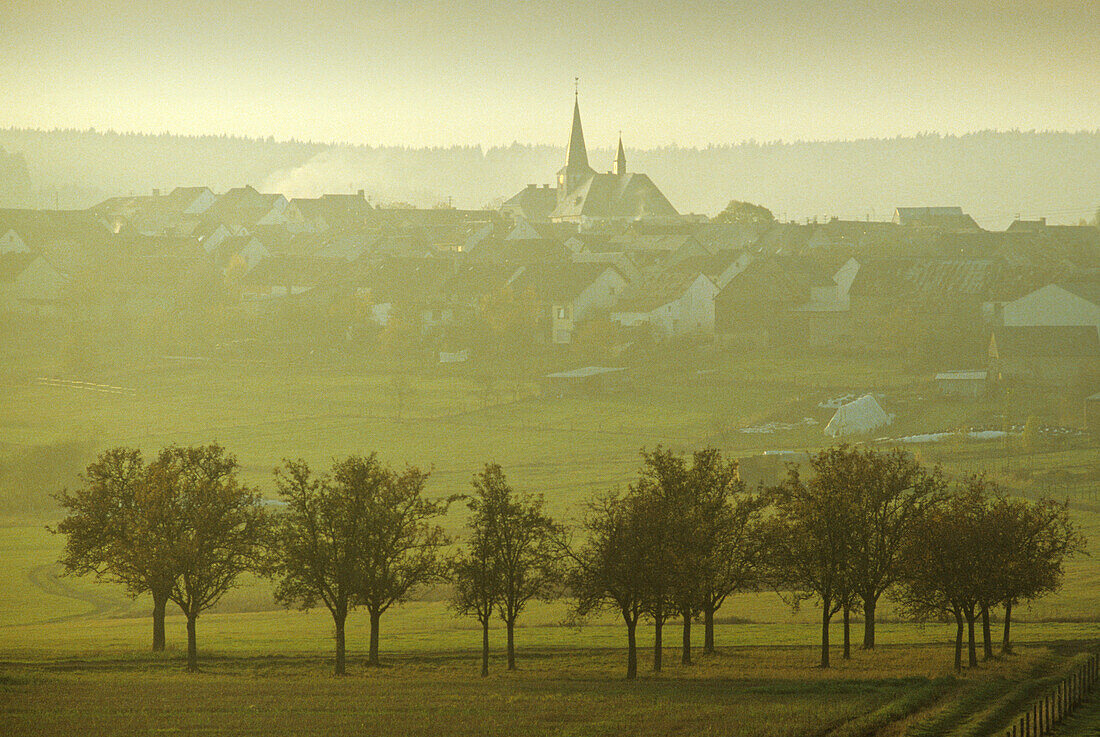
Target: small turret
point(620, 158)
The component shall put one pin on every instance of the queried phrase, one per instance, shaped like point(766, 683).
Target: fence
point(1049, 710)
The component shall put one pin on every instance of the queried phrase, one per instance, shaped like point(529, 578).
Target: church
point(583, 196)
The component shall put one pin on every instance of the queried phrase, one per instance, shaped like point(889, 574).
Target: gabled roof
point(614, 196)
point(659, 291)
point(14, 263)
point(298, 271)
point(557, 283)
point(1045, 341)
point(533, 203)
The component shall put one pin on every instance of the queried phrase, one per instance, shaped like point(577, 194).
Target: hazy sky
point(465, 71)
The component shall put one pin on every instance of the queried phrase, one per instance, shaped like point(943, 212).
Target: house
point(29, 283)
point(239, 254)
point(287, 276)
point(157, 213)
point(245, 207)
point(943, 218)
point(569, 293)
point(532, 204)
point(335, 211)
point(674, 303)
point(962, 384)
point(69, 239)
point(1048, 355)
point(1065, 303)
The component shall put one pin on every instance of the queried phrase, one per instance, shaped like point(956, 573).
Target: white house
point(674, 304)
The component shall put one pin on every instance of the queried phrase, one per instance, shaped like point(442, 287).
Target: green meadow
point(73, 652)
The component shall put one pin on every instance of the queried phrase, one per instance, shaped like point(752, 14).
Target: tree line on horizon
point(844, 178)
point(673, 545)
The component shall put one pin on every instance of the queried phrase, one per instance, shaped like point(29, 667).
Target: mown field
point(72, 652)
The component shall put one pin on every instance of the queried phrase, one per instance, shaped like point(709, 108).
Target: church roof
point(614, 196)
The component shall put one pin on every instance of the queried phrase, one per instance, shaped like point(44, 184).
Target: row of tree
point(674, 545)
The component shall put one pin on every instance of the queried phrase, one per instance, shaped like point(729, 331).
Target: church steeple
point(620, 158)
point(576, 169)
point(577, 155)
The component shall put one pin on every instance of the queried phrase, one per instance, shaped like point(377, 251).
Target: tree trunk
point(372, 656)
point(826, 615)
point(1006, 643)
point(869, 605)
point(847, 633)
point(987, 636)
point(958, 641)
point(192, 645)
point(485, 647)
point(658, 645)
point(631, 648)
point(160, 603)
point(971, 650)
point(708, 630)
point(511, 644)
point(339, 618)
point(685, 657)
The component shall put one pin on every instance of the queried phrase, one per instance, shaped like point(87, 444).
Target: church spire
point(620, 158)
point(576, 158)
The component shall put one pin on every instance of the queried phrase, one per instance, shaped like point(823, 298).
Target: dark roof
point(658, 291)
point(1087, 289)
point(533, 203)
point(614, 196)
point(557, 282)
point(15, 263)
point(520, 252)
point(1045, 341)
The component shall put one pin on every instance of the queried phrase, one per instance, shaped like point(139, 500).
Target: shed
point(966, 384)
point(858, 417)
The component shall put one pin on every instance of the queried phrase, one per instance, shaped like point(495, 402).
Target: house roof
point(533, 202)
point(659, 291)
point(12, 264)
point(1045, 341)
point(299, 271)
point(558, 283)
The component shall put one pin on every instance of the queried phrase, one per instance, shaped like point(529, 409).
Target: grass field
point(72, 652)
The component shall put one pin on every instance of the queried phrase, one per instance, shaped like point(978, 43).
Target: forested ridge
point(993, 175)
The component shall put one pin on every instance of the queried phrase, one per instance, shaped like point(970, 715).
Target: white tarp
point(858, 417)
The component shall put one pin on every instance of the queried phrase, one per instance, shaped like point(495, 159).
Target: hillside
point(992, 175)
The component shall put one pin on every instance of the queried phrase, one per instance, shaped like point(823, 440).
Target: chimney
point(532, 186)
point(1043, 221)
point(156, 193)
point(362, 194)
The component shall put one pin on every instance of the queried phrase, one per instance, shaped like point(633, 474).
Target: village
point(597, 259)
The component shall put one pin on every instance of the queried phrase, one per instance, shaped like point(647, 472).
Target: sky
point(470, 72)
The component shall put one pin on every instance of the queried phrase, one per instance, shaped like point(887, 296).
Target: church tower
point(620, 159)
point(576, 168)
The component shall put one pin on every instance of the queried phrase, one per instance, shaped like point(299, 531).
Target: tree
point(888, 492)
point(609, 569)
point(112, 533)
point(319, 544)
point(476, 587)
point(400, 545)
point(725, 538)
point(212, 528)
point(1031, 543)
point(809, 540)
point(943, 565)
point(745, 213)
point(521, 538)
point(663, 518)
